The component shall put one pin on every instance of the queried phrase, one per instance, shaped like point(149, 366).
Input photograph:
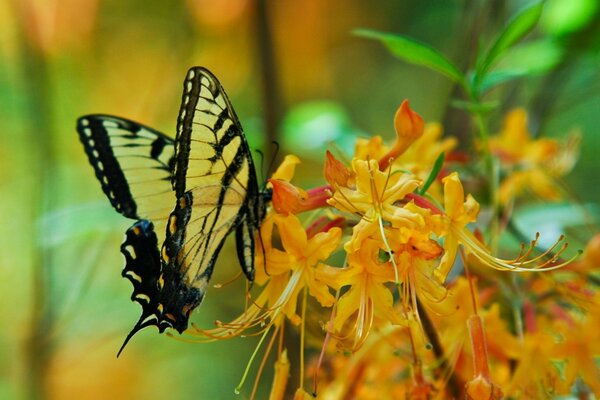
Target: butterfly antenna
point(262, 164)
point(275, 154)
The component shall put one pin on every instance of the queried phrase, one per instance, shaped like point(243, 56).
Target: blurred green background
point(295, 73)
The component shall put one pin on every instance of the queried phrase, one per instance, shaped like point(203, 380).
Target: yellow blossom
point(421, 155)
point(374, 199)
point(287, 168)
point(459, 212)
point(296, 263)
point(531, 164)
point(370, 149)
point(367, 296)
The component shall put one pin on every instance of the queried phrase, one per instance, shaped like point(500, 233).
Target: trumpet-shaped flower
point(367, 296)
point(374, 199)
point(458, 213)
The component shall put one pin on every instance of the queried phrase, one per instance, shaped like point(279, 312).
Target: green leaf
point(437, 166)
point(519, 26)
point(495, 78)
point(415, 52)
point(531, 58)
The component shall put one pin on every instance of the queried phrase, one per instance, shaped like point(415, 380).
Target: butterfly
point(186, 195)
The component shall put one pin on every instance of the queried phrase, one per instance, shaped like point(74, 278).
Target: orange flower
point(335, 172)
point(288, 198)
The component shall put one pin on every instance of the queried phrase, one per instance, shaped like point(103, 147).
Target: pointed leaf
point(415, 52)
point(520, 25)
point(527, 59)
point(437, 167)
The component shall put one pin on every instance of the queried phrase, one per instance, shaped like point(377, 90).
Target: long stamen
point(328, 335)
point(238, 388)
point(519, 264)
point(302, 335)
point(263, 362)
point(388, 249)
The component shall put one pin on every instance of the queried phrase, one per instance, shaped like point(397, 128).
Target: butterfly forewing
point(214, 169)
point(133, 164)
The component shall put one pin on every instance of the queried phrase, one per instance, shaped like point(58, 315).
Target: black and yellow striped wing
point(133, 164)
point(215, 183)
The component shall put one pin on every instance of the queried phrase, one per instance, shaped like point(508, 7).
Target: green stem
point(493, 178)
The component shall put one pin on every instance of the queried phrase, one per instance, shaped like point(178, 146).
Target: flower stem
point(492, 174)
point(454, 383)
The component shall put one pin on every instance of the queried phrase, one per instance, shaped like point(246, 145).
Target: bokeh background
point(295, 73)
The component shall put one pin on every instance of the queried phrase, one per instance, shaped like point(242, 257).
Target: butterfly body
point(187, 196)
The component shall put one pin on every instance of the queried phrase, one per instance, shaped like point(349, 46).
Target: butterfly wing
point(133, 164)
point(214, 180)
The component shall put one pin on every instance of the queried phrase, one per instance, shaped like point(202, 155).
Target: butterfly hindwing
point(154, 288)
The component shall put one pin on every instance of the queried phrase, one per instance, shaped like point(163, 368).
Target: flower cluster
point(380, 267)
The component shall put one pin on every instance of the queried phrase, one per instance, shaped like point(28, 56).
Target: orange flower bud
point(409, 127)
point(480, 387)
point(407, 122)
point(282, 371)
point(335, 171)
point(289, 199)
point(286, 197)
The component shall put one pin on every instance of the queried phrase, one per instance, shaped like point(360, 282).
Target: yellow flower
point(374, 199)
point(420, 157)
point(579, 348)
point(370, 149)
point(287, 168)
point(367, 296)
point(531, 164)
point(458, 213)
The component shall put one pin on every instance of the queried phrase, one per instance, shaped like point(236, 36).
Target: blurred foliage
point(66, 307)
